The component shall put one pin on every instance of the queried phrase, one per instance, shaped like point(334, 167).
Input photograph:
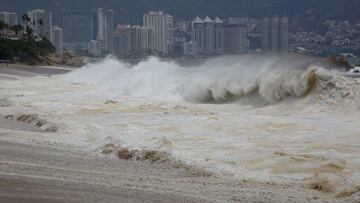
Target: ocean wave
point(222, 79)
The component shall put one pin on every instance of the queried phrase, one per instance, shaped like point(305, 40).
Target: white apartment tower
point(41, 23)
point(58, 39)
point(163, 31)
point(105, 29)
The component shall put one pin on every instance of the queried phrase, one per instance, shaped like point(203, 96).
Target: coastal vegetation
point(19, 45)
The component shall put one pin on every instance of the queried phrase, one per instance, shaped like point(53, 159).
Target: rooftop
point(197, 20)
point(207, 20)
point(218, 20)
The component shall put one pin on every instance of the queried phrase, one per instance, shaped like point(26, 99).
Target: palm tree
point(26, 19)
point(17, 28)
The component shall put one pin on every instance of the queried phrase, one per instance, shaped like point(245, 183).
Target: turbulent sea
point(263, 119)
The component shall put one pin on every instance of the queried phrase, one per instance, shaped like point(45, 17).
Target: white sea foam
point(218, 80)
point(308, 135)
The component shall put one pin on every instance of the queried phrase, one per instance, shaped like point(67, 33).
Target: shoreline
point(21, 70)
point(33, 173)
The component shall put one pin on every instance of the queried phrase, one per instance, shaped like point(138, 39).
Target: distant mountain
point(130, 11)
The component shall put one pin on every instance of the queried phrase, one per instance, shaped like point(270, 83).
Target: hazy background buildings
point(97, 33)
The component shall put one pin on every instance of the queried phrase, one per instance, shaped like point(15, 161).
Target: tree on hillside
point(26, 19)
point(3, 25)
point(17, 28)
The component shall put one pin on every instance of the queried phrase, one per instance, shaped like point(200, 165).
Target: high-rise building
point(163, 31)
point(235, 39)
point(198, 34)
point(58, 39)
point(275, 34)
point(219, 36)
point(9, 18)
point(274, 29)
point(265, 42)
point(284, 34)
point(122, 41)
point(146, 40)
point(133, 41)
point(170, 34)
point(41, 23)
point(105, 29)
point(209, 36)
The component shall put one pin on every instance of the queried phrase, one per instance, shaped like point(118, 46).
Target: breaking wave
point(222, 79)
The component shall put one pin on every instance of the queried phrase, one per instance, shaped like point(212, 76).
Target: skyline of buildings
point(94, 33)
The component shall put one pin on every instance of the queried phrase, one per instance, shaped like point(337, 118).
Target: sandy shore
point(14, 70)
point(50, 172)
point(43, 173)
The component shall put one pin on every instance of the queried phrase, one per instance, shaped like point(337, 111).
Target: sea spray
point(218, 80)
